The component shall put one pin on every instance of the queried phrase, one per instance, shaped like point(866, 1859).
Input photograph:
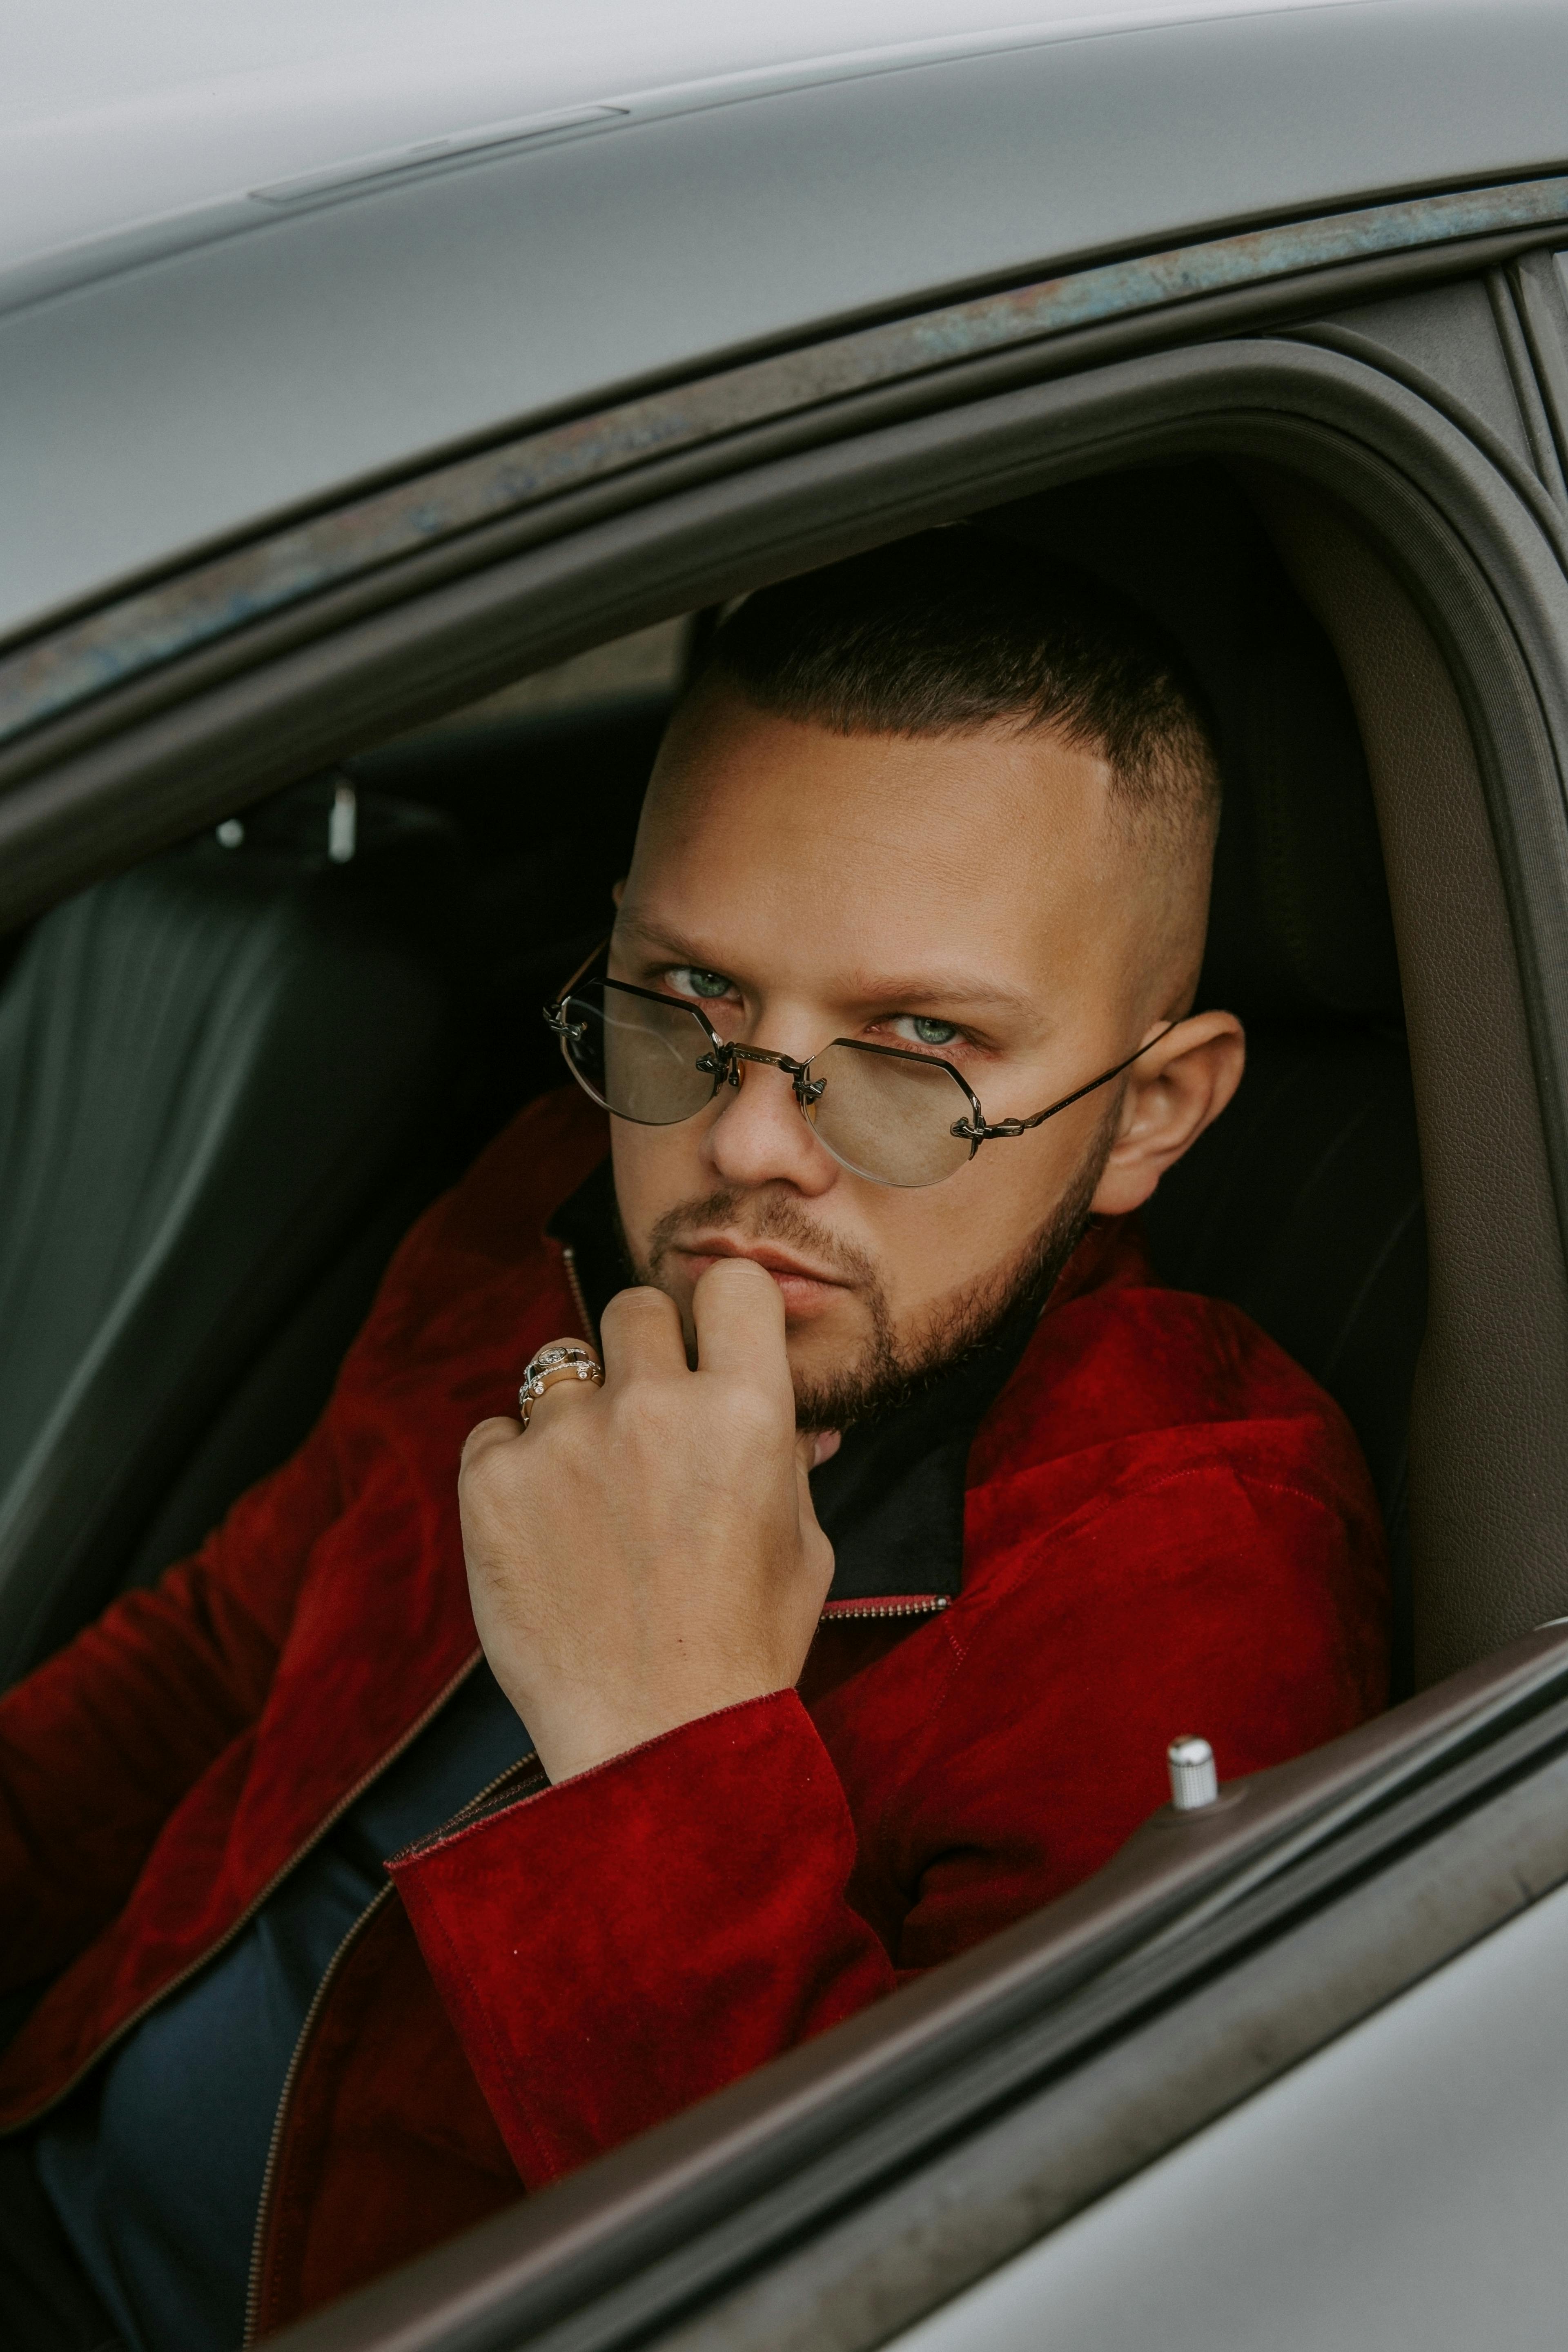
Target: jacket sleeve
point(100, 1744)
point(614, 1949)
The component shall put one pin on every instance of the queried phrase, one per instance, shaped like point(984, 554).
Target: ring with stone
point(563, 1359)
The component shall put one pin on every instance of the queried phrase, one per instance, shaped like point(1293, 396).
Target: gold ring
point(563, 1359)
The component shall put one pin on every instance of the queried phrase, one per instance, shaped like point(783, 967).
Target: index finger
point(738, 1310)
point(641, 1332)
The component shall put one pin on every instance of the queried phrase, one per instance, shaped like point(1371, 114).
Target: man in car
point(877, 1521)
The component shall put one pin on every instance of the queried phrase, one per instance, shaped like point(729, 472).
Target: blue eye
point(932, 1033)
point(707, 984)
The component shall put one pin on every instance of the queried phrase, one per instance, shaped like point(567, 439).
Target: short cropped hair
point(954, 629)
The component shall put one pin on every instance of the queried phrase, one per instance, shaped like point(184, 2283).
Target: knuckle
point(485, 1438)
point(487, 1475)
point(477, 1470)
point(641, 1304)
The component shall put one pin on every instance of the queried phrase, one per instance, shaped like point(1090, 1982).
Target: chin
point(819, 1356)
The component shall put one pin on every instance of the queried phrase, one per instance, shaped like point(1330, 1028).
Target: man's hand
point(646, 1552)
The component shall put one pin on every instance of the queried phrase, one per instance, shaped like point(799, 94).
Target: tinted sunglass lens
point(638, 1055)
point(888, 1116)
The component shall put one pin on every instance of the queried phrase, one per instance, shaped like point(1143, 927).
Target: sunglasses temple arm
point(1008, 1128)
point(553, 1010)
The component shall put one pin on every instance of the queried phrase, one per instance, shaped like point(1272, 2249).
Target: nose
point(759, 1136)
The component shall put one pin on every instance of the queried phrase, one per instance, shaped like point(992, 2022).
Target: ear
point(1180, 1086)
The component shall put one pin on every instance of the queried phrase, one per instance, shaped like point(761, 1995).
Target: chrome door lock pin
point(1193, 1779)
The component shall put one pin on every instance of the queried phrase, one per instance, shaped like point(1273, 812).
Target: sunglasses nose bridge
point(725, 1059)
point(798, 1072)
point(761, 1054)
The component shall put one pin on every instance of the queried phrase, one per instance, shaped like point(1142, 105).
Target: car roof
point(108, 117)
point(226, 286)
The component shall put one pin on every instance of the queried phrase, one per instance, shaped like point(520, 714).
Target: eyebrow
point(929, 987)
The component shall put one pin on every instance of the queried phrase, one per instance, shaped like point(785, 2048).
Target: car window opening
point(328, 1008)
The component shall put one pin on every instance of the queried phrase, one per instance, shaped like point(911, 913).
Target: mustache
point(761, 1217)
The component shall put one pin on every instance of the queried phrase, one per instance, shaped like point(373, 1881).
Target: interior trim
point(1478, 1441)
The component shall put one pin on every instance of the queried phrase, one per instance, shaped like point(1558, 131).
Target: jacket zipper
point(318, 1998)
point(569, 1260)
point(849, 1612)
point(318, 2002)
point(128, 2024)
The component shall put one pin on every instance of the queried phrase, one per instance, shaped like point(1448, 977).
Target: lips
point(781, 1264)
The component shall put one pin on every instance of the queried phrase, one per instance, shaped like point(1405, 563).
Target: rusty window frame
point(48, 674)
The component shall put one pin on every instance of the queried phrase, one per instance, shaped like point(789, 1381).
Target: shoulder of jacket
point(1135, 1363)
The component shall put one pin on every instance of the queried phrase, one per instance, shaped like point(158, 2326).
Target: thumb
point(812, 1446)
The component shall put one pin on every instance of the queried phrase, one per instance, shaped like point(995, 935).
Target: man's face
point(965, 895)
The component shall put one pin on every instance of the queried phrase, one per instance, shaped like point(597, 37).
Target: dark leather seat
point(1303, 1203)
point(214, 1075)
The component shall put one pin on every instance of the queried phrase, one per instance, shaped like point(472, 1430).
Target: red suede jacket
point(1167, 1526)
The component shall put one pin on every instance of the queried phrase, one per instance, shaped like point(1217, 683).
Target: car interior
point(230, 1077)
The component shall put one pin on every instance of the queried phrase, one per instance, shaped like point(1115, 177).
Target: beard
point(889, 1369)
